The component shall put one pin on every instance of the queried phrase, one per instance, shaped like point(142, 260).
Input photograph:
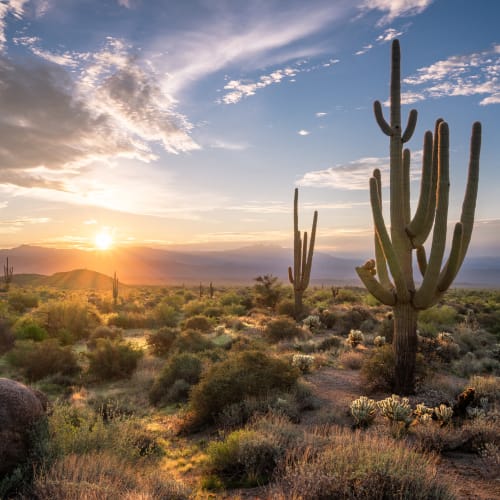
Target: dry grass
point(352, 360)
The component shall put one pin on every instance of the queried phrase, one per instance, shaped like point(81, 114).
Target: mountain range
point(142, 265)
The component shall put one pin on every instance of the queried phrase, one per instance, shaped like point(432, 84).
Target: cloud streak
point(394, 9)
point(459, 75)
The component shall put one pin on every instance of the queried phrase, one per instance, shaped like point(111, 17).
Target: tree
point(267, 290)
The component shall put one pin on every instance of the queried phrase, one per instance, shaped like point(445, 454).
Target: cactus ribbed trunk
point(405, 347)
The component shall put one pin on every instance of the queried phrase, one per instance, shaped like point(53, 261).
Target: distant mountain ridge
point(142, 265)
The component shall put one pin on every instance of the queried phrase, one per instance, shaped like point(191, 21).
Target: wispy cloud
point(352, 176)
point(303, 132)
point(9, 7)
point(239, 89)
point(364, 50)
point(460, 75)
point(389, 35)
point(321, 114)
point(230, 146)
point(16, 225)
point(394, 9)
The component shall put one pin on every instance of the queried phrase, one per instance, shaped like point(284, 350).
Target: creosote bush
point(37, 360)
point(282, 328)
point(180, 373)
point(199, 322)
point(244, 374)
point(112, 360)
point(191, 341)
point(160, 342)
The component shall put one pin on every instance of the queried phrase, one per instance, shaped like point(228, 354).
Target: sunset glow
point(103, 240)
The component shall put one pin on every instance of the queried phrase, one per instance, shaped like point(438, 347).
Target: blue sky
point(190, 123)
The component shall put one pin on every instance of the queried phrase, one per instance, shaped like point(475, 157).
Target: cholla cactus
point(396, 409)
point(422, 413)
point(445, 337)
point(304, 362)
point(475, 412)
point(379, 341)
point(312, 322)
point(363, 411)
point(443, 413)
point(355, 338)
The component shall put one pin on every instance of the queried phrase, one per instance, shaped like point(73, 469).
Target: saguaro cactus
point(394, 251)
point(115, 288)
point(8, 272)
point(302, 257)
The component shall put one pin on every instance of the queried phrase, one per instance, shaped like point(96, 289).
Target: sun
point(103, 240)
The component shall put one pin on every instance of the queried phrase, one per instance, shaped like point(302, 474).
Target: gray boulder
point(20, 409)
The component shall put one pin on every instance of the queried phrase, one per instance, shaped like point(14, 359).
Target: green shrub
point(282, 328)
point(29, 330)
point(112, 360)
point(166, 315)
point(168, 388)
point(332, 342)
point(37, 360)
point(286, 307)
point(439, 316)
point(104, 332)
point(377, 371)
point(268, 291)
point(126, 320)
point(191, 341)
point(20, 301)
point(7, 338)
point(354, 318)
point(201, 323)
point(160, 342)
point(328, 318)
point(244, 374)
point(245, 458)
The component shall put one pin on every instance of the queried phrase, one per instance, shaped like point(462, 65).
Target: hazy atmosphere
point(190, 123)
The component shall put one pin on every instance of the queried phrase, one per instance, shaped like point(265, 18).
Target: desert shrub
point(353, 318)
point(37, 360)
point(328, 318)
point(351, 360)
point(191, 341)
point(104, 332)
point(213, 311)
point(438, 316)
point(244, 374)
point(168, 387)
point(356, 465)
point(470, 364)
point(332, 342)
point(386, 328)
point(245, 458)
point(268, 291)
point(7, 338)
point(166, 315)
point(485, 387)
point(282, 328)
point(103, 476)
point(21, 301)
point(286, 307)
point(199, 322)
point(29, 330)
point(160, 342)
point(78, 317)
point(124, 319)
point(347, 295)
point(312, 322)
point(377, 371)
point(112, 360)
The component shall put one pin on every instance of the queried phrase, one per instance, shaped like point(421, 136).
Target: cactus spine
point(394, 251)
point(302, 257)
point(115, 289)
point(8, 272)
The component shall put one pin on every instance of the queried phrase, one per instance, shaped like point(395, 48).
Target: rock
point(20, 409)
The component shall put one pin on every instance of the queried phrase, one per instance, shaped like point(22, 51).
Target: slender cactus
point(8, 272)
point(115, 288)
point(211, 290)
point(300, 275)
point(394, 249)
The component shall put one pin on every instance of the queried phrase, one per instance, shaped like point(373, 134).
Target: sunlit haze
point(189, 124)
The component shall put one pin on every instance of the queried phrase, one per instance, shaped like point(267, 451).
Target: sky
point(189, 123)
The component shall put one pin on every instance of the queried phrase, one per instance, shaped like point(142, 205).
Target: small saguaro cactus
point(211, 290)
point(394, 248)
point(300, 275)
point(8, 272)
point(115, 289)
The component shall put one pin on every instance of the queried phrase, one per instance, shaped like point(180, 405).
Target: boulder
point(20, 409)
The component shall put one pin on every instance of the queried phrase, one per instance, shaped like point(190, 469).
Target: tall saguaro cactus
point(394, 251)
point(8, 272)
point(115, 288)
point(302, 257)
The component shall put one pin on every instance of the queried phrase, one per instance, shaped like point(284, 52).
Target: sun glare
point(103, 240)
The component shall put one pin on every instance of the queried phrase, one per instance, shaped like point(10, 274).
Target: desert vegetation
point(195, 397)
